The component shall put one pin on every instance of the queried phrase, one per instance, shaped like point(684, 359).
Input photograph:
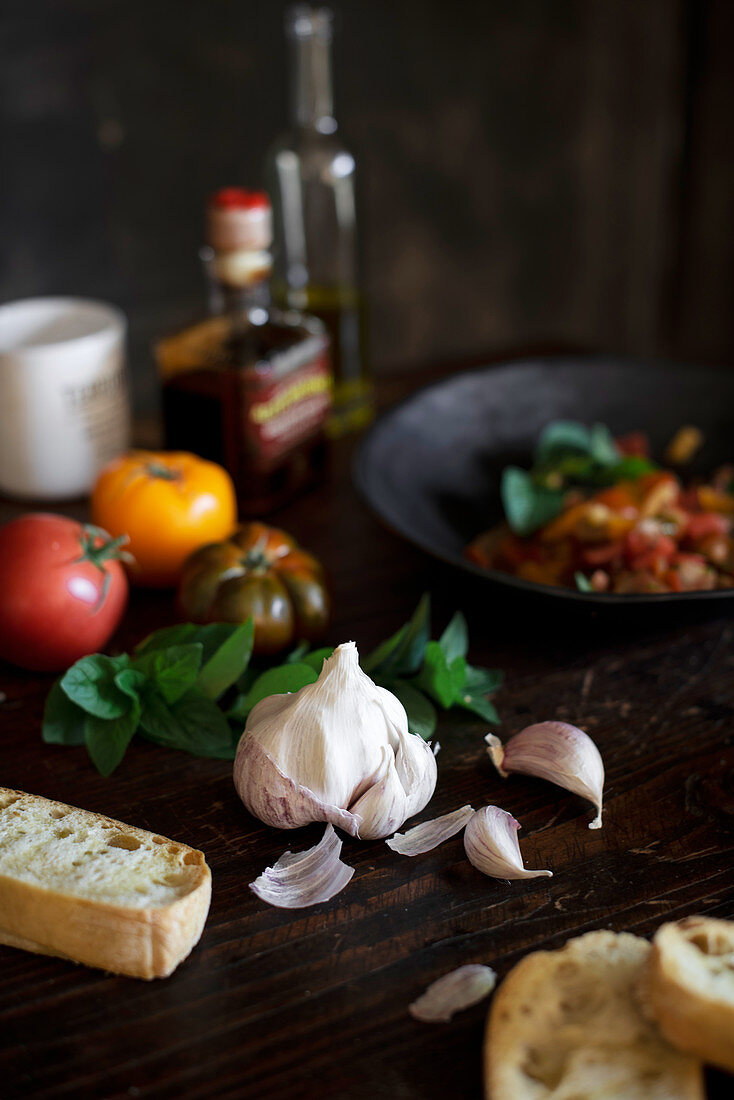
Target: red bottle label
point(284, 412)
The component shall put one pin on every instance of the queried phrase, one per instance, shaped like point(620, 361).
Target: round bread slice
point(565, 1025)
point(687, 987)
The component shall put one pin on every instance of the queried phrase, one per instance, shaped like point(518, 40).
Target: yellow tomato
point(169, 504)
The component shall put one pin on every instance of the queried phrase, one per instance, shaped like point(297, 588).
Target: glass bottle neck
point(313, 99)
point(232, 289)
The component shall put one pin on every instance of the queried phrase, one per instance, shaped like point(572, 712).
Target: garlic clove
point(558, 752)
point(459, 989)
point(276, 799)
point(381, 808)
point(300, 879)
point(417, 770)
point(429, 834)
point(491, 845)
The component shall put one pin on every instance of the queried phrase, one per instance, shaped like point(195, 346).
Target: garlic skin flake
point(491, 845)
point(299, 879)
point(558, 752)
point(429, 834)
point(460, 988)
point(338, 750)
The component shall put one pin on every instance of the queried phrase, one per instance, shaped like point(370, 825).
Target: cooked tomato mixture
point(638, 535)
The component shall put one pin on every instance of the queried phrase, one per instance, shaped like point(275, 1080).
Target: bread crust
point(566, 1023)
point(139, 941)
point(687, 989)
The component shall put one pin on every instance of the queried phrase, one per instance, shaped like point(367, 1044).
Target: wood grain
point(295, 1005)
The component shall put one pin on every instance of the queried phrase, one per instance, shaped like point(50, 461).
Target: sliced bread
point(565, 1025)
point(687, 987)
point(90, 889)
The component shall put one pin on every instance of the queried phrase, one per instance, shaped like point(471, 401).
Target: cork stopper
point(238, 220)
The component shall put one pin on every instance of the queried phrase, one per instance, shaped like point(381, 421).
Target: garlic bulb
point(338, 750)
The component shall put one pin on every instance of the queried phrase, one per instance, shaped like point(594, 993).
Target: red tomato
point(62, 591)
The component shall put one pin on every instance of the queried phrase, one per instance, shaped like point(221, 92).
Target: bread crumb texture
point(70, 851)
point(565, 1026)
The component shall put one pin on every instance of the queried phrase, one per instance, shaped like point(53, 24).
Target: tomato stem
point(255, 559)
point(157, 469)
point(98, 547)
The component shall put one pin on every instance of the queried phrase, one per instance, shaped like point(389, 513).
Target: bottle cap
point(239, 220)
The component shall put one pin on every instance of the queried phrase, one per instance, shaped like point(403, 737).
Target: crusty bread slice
point(687, 987)
point(565, 1025)
point(90, 889)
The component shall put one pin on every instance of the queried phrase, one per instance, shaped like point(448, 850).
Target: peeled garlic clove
point(299, 879)
point(491, 845)
point(557, 752)
point(461, 988)
point(429, 834)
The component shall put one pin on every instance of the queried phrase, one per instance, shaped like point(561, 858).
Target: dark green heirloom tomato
point(258, 571)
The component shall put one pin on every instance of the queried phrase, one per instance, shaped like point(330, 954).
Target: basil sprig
point(191, 687)
point(568, 455)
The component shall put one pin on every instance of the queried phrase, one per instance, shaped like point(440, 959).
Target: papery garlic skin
point(558, 752)
point(338, 750)
point(491, 845)
point(299, 879)
point(457, 990)
point(429, 834)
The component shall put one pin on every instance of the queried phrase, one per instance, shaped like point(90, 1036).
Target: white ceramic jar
point(64, 399)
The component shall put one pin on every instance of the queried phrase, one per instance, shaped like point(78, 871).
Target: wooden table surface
point(291, 1005)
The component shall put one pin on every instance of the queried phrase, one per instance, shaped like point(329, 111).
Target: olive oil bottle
point(310, 175)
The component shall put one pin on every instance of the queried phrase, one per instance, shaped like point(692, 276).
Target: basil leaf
point(167, 636)
point(420, 711)
point(561, 439)
point(583, 584)
point(435, 677)
point(477, 704)
point(212, 637)
point(527, 505)
point(402, 654)
point(316, 658)
point(194, 723)
point(90, 684)
point(455, 639)
point(458, 668)
point(228, 662)
point(374, 659)
point(63, 721)
point(278, 681)
point(173, 669)
point(630, 467)
point(107, 739)
point(130, 681)
point(481, 681)
point(602, 448)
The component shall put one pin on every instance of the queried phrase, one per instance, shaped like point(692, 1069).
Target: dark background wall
point(532, 171)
